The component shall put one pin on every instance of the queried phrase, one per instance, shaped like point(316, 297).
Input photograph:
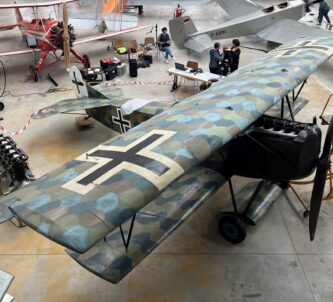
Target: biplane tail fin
point(182, 30)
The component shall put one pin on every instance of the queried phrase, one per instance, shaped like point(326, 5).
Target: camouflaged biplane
point(113, 205)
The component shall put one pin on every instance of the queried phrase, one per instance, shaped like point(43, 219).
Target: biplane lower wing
point(109, 259)
point(82, 202)
point(4, 27)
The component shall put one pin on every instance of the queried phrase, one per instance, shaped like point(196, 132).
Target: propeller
point(66, 37)
point(319, 182)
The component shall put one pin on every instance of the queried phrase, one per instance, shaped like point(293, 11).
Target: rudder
point(181, 28)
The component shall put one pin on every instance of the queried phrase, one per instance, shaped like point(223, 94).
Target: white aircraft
point(277, 23)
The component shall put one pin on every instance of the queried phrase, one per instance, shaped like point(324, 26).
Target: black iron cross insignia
point(310, 44)
point(77, 83)
point(124, 125)
point(136, 157)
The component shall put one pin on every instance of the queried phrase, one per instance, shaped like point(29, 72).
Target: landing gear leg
point(84, 59)
point(34, 73)
point(140, 10)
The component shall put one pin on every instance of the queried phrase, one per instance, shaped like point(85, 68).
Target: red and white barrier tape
point(136, 82)
point(19, 132)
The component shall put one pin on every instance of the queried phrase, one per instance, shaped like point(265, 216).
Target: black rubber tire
point(2, 106)
point(86, 61)
point(34, 73)
point(232, 228)
point(284, 185)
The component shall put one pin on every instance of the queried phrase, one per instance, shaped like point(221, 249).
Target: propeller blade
point(66, 37)
point(319, 182)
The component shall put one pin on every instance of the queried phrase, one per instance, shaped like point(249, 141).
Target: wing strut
point(289, 107)
point(127, 241)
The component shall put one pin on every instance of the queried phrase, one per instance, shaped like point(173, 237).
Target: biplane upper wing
point(83, 201)
point(35, 4)
point(109, 34)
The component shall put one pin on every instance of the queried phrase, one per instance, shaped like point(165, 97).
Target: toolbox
point(94, 74)
point(110, 72)
point(121, 69)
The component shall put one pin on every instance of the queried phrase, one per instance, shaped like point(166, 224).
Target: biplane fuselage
point(40, 28)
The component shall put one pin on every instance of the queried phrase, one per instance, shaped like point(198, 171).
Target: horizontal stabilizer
point(5, 213)
point(109, 259)
point(72, 105)
point(288, 30)
point(199, 43)
point(237, 8)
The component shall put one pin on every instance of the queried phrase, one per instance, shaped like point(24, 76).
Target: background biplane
point(52, 35)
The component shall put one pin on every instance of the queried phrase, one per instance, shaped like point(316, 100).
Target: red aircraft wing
point(7, 26)
point(17, 52)
point(110, 34)
point(27, 5)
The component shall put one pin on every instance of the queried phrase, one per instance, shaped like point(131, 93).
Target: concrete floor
point(277, 262)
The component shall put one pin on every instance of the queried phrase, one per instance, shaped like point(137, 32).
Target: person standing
point(179, 11)
point(323, 12)
point(215, 57)
point(164, 43)
point(235, 50)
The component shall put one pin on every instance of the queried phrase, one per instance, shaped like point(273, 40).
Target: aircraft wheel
point(284, 185)
point(306, 214)
point(86, 61)
point(33, 72)
point(232, 228)
point(2, 106)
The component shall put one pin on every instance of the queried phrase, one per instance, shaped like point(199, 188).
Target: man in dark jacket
point(215, 58)
point(235, 55)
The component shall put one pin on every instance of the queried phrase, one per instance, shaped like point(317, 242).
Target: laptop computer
point(180, 66)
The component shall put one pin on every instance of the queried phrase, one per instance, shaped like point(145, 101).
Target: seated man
point(164, 43)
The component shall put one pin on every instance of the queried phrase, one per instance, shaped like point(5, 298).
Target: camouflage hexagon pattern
point(174, 141)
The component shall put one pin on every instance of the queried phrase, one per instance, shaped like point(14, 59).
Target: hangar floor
point(277, 262)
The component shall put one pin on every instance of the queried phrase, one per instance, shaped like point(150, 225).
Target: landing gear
point(34, 73)
point(232, 228)
point(140, 10)
point(86, 61)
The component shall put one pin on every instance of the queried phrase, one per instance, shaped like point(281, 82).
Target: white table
point(203, 77)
